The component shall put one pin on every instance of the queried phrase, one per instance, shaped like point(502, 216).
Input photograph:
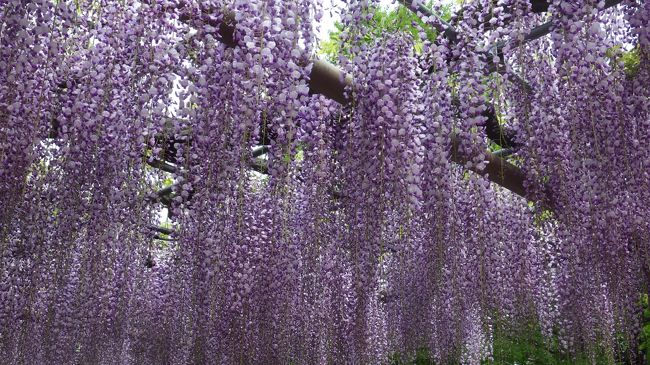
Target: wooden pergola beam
point(541, 6)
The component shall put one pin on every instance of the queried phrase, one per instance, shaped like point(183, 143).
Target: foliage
point(422, 357)
point(383, 21)
point(645, 330)
point(532, 347)
point(522, 345)
point(630, 60)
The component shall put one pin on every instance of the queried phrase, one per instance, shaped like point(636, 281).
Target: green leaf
point(383, 22)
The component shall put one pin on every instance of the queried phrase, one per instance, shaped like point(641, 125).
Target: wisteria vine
point(178, 186)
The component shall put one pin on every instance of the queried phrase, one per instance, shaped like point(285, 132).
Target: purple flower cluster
point(305, 231)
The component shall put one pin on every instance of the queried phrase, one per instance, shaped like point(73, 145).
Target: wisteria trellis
point(370, 235)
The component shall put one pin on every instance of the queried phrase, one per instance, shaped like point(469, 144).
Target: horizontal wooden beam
point(541, 6)
point(497, 170)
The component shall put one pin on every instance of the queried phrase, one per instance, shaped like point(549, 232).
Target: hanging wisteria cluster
point(312, 214)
